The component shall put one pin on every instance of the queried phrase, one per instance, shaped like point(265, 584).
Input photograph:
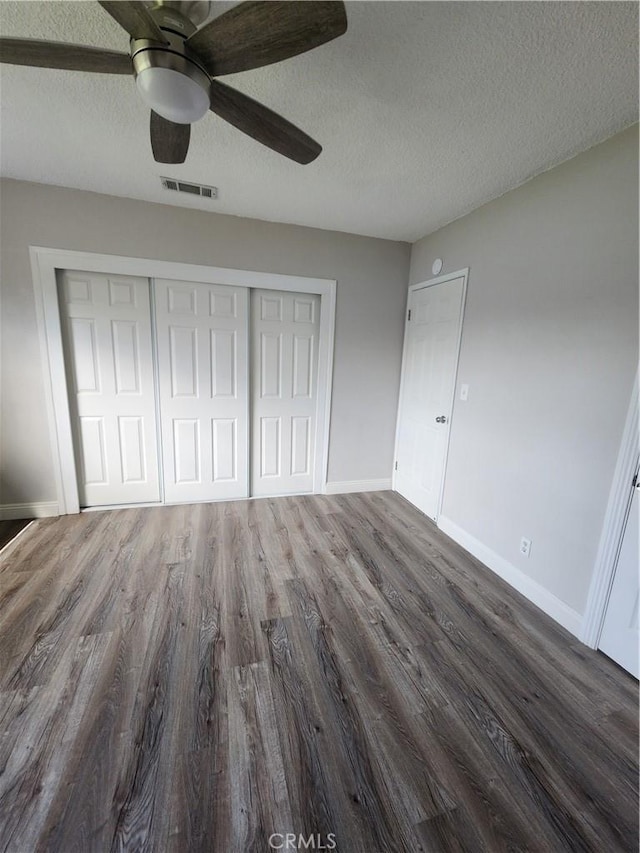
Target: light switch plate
point(464, 392)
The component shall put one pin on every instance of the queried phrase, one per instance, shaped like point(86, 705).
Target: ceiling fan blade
point(169, 141)
point(254, 33)
point(56, 54)
point(262, 124)
point(134, 17)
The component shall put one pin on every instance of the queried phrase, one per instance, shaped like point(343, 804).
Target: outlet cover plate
point(525, 546)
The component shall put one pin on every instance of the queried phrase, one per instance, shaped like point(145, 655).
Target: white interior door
point(202, 369)
point(284, 339)
point(106, 327)
point(428, 380)
point(619, 638)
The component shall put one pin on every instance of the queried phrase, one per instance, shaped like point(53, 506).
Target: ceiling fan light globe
point(172, 95)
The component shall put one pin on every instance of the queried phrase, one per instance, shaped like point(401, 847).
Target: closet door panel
point(202, 344)
point(284, 335)
point(106, 331)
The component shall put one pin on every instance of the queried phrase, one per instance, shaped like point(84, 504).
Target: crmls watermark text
point(291, 841)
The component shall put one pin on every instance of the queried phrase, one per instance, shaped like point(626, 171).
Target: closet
point(182, 391)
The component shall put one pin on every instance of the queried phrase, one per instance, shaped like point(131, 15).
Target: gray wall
point(372, 280)
point(549, 351)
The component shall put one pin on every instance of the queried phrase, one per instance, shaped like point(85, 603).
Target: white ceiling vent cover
point(191, 189)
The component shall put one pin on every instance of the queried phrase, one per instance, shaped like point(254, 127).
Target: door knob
point(441, 420)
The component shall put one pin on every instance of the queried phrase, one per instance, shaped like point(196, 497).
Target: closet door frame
point(44, 264)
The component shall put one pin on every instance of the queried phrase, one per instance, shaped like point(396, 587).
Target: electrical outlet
point(525, 547)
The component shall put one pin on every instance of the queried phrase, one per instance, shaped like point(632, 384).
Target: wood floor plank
point(451, 832)
point(547, 783)
point(41, 619)
point(97, 784)
point(199, 812)
point(307, 754)
point(198, 678)
point(382, 826)
point(244, 600)
point(265, 546)
point(483, 792)
point(257, 780)
point(45, 765)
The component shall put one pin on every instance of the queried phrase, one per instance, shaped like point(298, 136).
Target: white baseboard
point(346, 486)
point(531, 589)
point(11, 512)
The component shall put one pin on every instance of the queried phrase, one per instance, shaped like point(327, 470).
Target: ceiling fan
point(174, 64)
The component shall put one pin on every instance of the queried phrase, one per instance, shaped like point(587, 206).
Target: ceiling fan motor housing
point(169, 80)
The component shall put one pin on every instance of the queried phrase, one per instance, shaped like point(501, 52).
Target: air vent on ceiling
point(191, 189)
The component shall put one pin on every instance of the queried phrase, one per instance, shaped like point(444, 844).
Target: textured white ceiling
point(425, 111)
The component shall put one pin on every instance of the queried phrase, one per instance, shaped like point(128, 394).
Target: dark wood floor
point(199, 678)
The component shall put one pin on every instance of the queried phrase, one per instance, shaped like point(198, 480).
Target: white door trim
point(464, 275)
point(613, 527)
point(45, 262)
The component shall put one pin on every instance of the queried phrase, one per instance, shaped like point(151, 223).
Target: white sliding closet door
point(202, 368)
point(284, 339)
point(106, 330)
